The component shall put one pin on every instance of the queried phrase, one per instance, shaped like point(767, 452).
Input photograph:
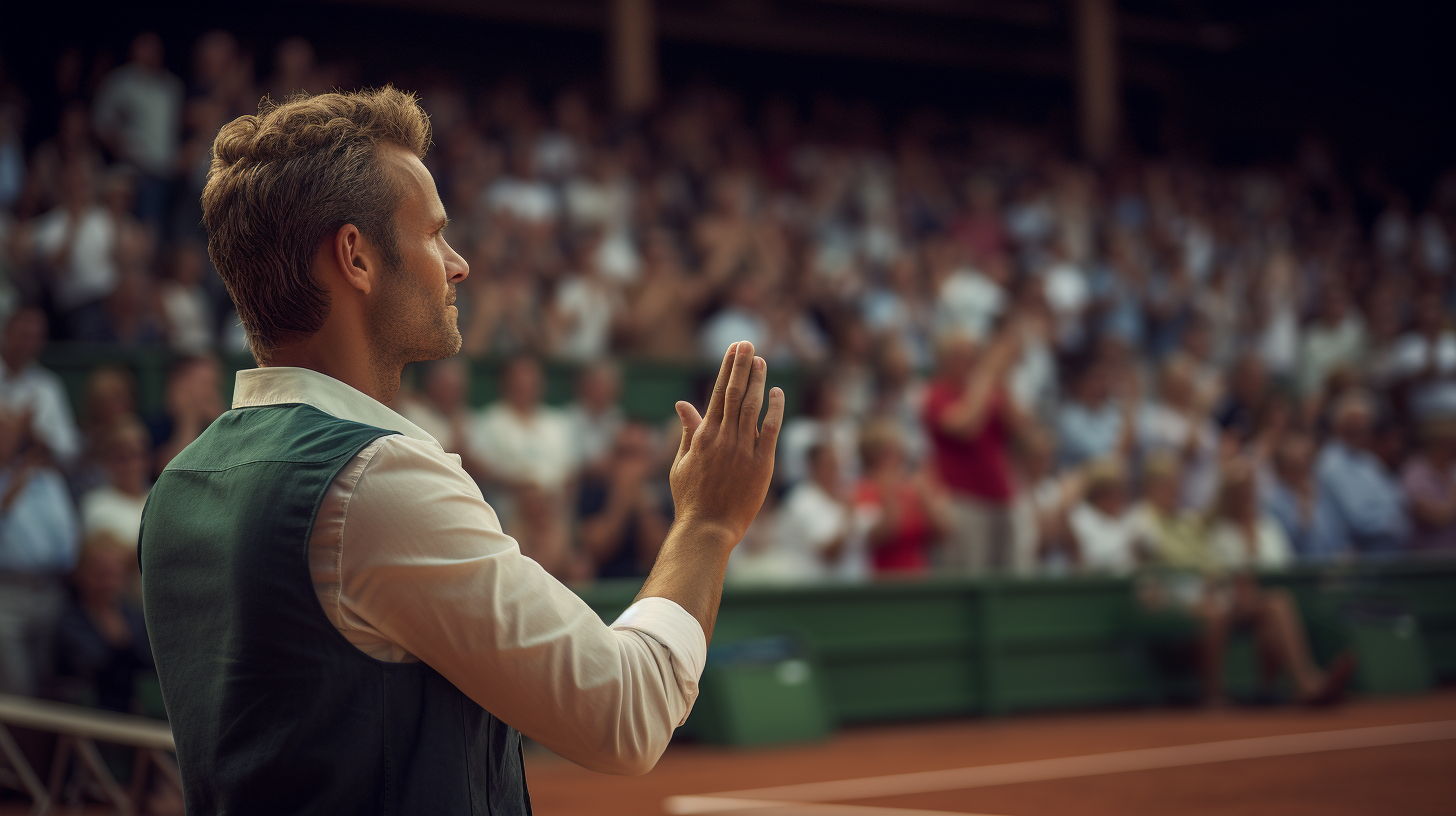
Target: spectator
point(595, 416)
point(818, 536)
point(115, 508)
point(1335, 341)
point(823, 419)
point(101, 639)
point(1177, 422)
point(971, 422)
point(622, 510)
point(1365, 495)
point(743, 318)
point(186, 308)
point(1429, 481)
point(76, 243)
point(440, 407)
point(1303, 505)
point(138, 115)
point(520, 440)
point(1248, 394)
point(191, 401)
point(1107, 533)
point(586, 311)
point(1094, 424)
point(38, 535)
point(31, 391)
point(1243, 539)
point(906, 511)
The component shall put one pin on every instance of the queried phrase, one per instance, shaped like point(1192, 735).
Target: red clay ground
point(1412, 779)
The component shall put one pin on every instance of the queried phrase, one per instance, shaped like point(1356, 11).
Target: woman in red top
point(908, 510)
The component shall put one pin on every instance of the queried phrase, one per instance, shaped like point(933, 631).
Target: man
point(1367, 498)
point(139, 114)
point(28, 389)
point(340, 626)
point(971, 420)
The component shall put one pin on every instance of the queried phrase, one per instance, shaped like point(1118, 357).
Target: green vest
point(274, 711)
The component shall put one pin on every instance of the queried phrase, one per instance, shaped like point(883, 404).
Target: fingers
point(720, 388)
point(768, 440)
point(738, 382)
point(690, 422)
point(753, 399)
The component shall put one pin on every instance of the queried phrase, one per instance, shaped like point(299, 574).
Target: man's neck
point(360, 372)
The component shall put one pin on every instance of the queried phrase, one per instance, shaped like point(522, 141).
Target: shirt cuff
point(678, 632)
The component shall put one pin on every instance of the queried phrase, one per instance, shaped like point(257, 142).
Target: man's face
point(413, 318)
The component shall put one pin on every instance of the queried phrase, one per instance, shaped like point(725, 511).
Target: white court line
point(1040, 770)
point(708, 805)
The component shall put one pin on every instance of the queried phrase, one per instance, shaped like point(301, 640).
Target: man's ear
point(353, 258)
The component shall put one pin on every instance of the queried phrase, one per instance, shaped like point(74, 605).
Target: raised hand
point(722, 469)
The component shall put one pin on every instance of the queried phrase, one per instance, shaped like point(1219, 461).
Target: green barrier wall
point(950, 646)
point(649, 388)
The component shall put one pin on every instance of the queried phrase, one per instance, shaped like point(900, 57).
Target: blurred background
point(1117, 336)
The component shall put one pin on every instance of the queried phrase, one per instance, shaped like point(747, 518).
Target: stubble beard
point(411, 326)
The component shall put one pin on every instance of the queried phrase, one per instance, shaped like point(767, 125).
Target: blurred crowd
point(1006, 360)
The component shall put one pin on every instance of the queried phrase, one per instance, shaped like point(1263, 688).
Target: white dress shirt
point(410, 563)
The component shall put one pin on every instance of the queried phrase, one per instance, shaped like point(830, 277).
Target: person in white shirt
point(138, 114)
point(116, 507)
point(28, 389)
point(77, 242)
point(409, 563)
point(820, 536)
point(1243, 538)
point(1110, 537)
point(595, 417)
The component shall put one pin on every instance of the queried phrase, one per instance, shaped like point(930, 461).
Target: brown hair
point(288, 178)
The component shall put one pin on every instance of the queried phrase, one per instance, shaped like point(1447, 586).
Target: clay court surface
point(1394, 756)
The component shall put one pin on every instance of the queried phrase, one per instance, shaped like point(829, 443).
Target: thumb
point(691, 419)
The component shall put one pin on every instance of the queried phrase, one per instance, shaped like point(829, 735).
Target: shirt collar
point(281, 385)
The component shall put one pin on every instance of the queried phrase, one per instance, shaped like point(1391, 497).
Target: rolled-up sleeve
point(424, 564)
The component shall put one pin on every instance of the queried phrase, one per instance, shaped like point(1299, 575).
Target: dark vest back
point(275, 712)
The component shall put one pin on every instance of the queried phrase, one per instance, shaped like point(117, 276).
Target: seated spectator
point(1248, 393)
point(1105, 530)
point(1178, 423)
point(906, 511)
point(586, 311)
point(521, 440)
point(972, 422)
point(817, 537)
point(1094, 423)
point(191, 401)
point(115, 508)
point(1174, 535)
point(823, 418)
point(622, 509)
point(1047, 495)
point(1302, 504)
point(186, 308)
point(529, 459)
point(595, 416)
point(440, 406)
point(38, 536)
point(76, 244)
point(743, 317)
point(34, 392)
point(110, 399)
point(1365, 495)
point(101, 639)
point(1335, 341)
point(1244, 539)
point(1429, 480)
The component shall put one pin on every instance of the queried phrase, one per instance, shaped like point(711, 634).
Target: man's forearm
point(689, 571)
